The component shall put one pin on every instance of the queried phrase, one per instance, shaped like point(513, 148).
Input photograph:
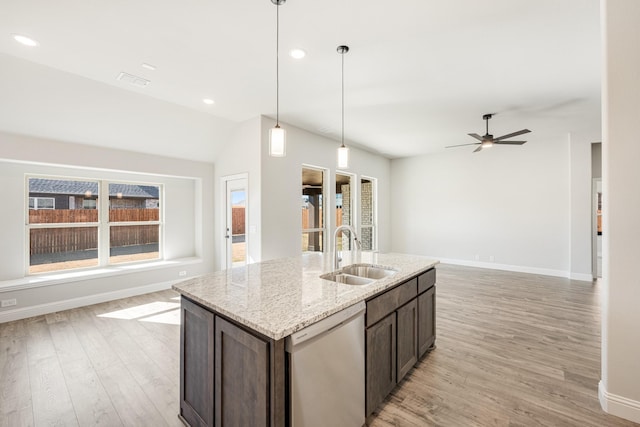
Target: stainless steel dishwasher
point(326, 371)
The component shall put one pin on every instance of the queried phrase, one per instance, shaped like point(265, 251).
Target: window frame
point(37, 198)
point(159, 222)
point(374, 214)
point(323, 218)
point(103, 224)
point(353, 178)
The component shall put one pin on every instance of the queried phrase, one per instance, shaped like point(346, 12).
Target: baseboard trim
point(581, 277)
point(506, 267)
point(618, 405)
point(52, 307)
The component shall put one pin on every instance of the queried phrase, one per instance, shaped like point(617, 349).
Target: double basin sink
point(359, 274)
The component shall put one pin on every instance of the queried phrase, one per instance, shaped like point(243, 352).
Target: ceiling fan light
point(487, 144)
point(277, 142)
point(343, 157)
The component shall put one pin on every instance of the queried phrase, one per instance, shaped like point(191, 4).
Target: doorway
point(236, 213)
point(344, 207)
point(313, 224)
point(596, 210)
point(596, 263)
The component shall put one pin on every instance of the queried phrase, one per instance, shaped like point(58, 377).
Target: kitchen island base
point(234, 367)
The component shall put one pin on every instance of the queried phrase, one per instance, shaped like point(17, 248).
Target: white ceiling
point(418, 77)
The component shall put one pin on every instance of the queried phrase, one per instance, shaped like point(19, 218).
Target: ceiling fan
point(488, 140)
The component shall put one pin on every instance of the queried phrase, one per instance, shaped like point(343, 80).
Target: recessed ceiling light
point(148, 66)
point(27, 41)
point(297, 53)
point(208, 101)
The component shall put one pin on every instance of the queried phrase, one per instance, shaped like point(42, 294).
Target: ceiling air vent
point(134, 80)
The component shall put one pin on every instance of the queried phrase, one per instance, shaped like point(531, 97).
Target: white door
point(235, 232)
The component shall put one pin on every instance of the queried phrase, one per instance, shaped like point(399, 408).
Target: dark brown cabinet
point(196, 364)
point(381, 361)
point(241, 377)
point(407, 341)
point(427, 324)
point(228, 375)
point(400, 330)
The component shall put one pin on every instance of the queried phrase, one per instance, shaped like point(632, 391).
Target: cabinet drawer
point(426, 280)
point(381, 306)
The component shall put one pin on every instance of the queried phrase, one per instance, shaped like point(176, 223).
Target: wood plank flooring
point(512, 350)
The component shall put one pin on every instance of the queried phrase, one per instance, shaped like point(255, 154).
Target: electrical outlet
point(182, 273)
point(9, 302)
point(491, 259)
point(477, 257)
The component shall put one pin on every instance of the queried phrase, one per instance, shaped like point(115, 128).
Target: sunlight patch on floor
point(159, 311)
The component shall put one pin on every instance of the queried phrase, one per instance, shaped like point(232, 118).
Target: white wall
point(188, 216)
point(49, 103)
point(620, 385)
point(281, 188)
point(509, 203)
point(240, 155)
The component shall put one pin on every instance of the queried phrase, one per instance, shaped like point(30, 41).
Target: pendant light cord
point(342, 99)
point(277, 65)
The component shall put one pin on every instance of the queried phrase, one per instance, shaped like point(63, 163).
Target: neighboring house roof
point(80, 188)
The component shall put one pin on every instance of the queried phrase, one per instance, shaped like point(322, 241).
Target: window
point(344, 208)
point(312, 212)
point(42, 203)
point(77, 223)
point(134, 222)
point(368, 214)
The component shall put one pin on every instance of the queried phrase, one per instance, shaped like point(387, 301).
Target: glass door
point(236, 221)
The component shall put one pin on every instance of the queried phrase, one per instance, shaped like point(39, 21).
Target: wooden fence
point(237, 212)
point(67, 216)
point(72, 239)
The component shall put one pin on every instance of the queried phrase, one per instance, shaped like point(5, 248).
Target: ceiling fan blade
point(478, 149)
point(476, 136)
point(509, 142)
point(462, 145)
point(520, 132)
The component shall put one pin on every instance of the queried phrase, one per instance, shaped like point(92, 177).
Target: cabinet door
point(241, 377)
point(196, 364)
point(381, 361)
point(407, 338)
point(426, 321)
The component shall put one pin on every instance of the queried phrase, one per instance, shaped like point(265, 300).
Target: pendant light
point(343, 150)
point(277, 135)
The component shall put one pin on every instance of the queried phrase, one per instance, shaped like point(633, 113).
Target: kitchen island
point(235, 322)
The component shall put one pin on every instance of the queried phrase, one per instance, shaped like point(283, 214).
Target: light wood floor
point(512, 349)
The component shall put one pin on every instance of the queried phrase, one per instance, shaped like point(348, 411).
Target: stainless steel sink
point(347, 279)
point(359, 274)
point(369, 271)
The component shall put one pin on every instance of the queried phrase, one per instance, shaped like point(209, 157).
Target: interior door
point(237, 244)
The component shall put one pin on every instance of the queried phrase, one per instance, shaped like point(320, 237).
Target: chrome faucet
point(354, 236)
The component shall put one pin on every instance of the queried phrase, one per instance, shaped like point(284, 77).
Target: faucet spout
point(354, 238)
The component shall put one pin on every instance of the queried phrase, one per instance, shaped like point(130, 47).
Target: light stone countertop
point(279, 297)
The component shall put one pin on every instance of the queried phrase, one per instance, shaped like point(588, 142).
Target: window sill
point(47, 279)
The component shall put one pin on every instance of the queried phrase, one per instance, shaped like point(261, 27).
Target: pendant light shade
point(277, 142)
point(343, 157)
point(277, 135)
point(343, 150)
